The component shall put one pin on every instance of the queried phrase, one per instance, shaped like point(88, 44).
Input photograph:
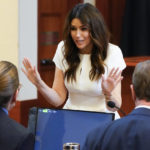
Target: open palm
point(109, 83)
point(31, 72)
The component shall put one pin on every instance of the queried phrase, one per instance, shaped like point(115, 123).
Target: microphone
point(111, 104)
point(32, 119)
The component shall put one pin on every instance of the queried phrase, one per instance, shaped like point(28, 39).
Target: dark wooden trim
point(127, 101)
point(15, 112)
point(132, 61)
point(21, 111)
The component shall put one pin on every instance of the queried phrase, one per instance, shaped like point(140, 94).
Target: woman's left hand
point(108, 84)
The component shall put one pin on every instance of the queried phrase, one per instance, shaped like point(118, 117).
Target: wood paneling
point(21, 111)
point(127, 101)
point(51, 6)
point(15, 112)
point(113, 12)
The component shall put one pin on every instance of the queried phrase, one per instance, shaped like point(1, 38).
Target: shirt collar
point(142, 106)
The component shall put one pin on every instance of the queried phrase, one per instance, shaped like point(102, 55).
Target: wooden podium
point(127, 102)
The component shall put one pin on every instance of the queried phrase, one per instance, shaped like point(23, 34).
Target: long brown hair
point(90, 16)
point(9, 82)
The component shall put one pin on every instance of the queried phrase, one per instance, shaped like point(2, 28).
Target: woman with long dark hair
point(88, 68)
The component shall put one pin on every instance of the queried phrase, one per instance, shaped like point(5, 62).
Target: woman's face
point(81, 36)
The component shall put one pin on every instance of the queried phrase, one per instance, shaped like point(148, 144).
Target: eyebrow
point(80, 26)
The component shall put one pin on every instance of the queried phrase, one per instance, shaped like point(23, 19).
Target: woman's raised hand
point(31, 72)
point(109, 83)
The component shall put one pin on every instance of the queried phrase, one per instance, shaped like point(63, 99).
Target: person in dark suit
point(131, 132)
point(13, 136)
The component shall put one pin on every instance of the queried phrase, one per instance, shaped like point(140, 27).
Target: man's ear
point(133, 92)
point(14, 97)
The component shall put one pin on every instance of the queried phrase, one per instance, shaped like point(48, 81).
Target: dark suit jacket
point(129, 133)
point(14, 136)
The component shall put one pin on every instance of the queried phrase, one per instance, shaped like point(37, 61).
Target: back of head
point(141, 80)
point(9, 82)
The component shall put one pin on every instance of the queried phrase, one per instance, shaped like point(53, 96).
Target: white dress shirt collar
point(142, 106)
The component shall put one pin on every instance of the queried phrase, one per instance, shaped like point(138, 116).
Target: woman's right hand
point(30, 71)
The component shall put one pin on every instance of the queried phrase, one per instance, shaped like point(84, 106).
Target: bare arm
point(115, 97)
point(56, 95)
point(112, 87)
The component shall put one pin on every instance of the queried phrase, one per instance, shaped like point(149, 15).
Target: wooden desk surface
point(132, 61)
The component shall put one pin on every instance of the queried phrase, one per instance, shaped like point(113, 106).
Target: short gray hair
point(141, 80)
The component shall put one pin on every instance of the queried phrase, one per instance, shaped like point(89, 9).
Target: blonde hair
point(9, 82)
